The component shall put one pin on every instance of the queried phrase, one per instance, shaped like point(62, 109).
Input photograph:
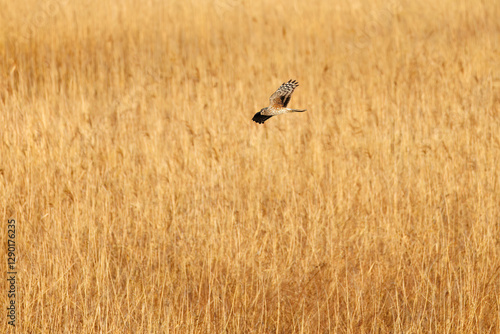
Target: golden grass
point(148, 201)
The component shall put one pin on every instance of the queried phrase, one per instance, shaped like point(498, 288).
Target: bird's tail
point(296, 110)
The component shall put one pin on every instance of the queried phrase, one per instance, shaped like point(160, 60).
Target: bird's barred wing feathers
point(282, 96)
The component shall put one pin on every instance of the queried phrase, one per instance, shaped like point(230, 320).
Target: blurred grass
point(148, 201)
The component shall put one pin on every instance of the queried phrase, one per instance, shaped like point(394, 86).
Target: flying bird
point(278, 102)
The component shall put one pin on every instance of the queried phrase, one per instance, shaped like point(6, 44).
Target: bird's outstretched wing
point(282, 96)
point(259, 118)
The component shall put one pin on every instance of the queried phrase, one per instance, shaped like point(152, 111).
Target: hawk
point(278, 102)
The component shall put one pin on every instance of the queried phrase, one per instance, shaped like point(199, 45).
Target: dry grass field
point(147, 201)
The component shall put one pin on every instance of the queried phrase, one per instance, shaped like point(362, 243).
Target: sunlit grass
point(148, 201)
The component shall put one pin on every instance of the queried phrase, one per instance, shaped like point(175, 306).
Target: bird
point(278, 102)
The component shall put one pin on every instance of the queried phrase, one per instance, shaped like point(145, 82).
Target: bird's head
point(263, 109)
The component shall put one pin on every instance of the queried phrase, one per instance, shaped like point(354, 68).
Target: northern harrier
point(277, 103)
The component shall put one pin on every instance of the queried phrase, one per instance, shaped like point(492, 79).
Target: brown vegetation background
point(147, 201)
